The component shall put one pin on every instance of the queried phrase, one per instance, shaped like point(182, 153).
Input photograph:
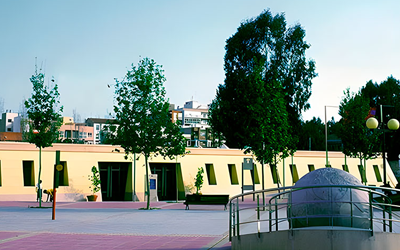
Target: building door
point(166, 180)
point(114, 178)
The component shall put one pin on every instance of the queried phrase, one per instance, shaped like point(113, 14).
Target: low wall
point(318, 239)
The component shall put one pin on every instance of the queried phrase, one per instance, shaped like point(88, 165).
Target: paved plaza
point(112, 225)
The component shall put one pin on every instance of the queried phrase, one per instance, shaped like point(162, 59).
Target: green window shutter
point(211, 174)
point(233, 174)
point(377, 173)
point(295, 174)
point(362, 174)
point(275, 174)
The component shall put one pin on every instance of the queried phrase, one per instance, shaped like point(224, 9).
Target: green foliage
point(94, 179)
point(358, 141)
point(44, 116)
point(141, 111)
point(175, 143)
point(386, 93)
point(315, 130)
point(198, 181)
point(267, 86)
point(43, 113)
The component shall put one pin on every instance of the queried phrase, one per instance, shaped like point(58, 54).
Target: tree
point(267, 86)
point(198, 181)
point(386, 93)
point(44, 115)
point(141, 111)
point(358, 141)
point(313, 131)
point(24, 120)
point(76, 116)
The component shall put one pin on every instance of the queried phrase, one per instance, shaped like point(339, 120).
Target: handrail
point(375, 207)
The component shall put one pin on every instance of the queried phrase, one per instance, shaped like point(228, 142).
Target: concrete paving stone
point(109, 225)
point(10, 235)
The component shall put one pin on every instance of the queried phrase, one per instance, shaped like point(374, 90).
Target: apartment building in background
point(194, 119)
point(7, 123)
point(76, 131)
point(10, 126)
point(97, 125)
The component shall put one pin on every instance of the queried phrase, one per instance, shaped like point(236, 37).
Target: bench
point(206, 199)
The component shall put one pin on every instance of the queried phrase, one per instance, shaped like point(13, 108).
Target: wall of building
point(80, 159)
point(7, 121)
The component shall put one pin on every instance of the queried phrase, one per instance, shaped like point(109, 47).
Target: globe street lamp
point(393, 124)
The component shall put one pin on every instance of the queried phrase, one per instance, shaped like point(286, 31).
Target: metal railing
point(335, 206)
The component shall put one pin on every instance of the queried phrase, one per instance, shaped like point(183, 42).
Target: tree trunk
point(365, 170)
point(147, 182)
point(134, 196)
point(40, 171)
point(176, 177)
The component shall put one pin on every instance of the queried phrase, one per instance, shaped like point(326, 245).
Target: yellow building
point(120, 177)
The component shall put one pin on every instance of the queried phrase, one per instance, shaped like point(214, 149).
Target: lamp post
point(393, 124)
point(326, 135)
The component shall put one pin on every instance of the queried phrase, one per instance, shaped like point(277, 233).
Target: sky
point(85, 45)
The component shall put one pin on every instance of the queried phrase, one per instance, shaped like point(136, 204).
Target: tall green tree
point(44, 116)
point(358, 141)
point(267, 86)
point(312, 131)
point(386, 93)
point(141, 111)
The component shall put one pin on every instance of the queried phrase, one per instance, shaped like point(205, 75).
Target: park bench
point(206, 199)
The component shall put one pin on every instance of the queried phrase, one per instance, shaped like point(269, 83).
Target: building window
point(361, 169)
point(256, 176)
point(8, 129)
point(9, 120)
point(63, 175)
point(377, 173)
point(311, 168)
point(29, 173)
point(275, 174)
point(97, 127)
point(295, 174)
point(192, 120)
point(90, 135)
point(211, 174)
point(233, 174)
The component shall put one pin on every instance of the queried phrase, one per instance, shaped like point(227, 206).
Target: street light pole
point(326, 135)
point(393, 124)
point(383, 147)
